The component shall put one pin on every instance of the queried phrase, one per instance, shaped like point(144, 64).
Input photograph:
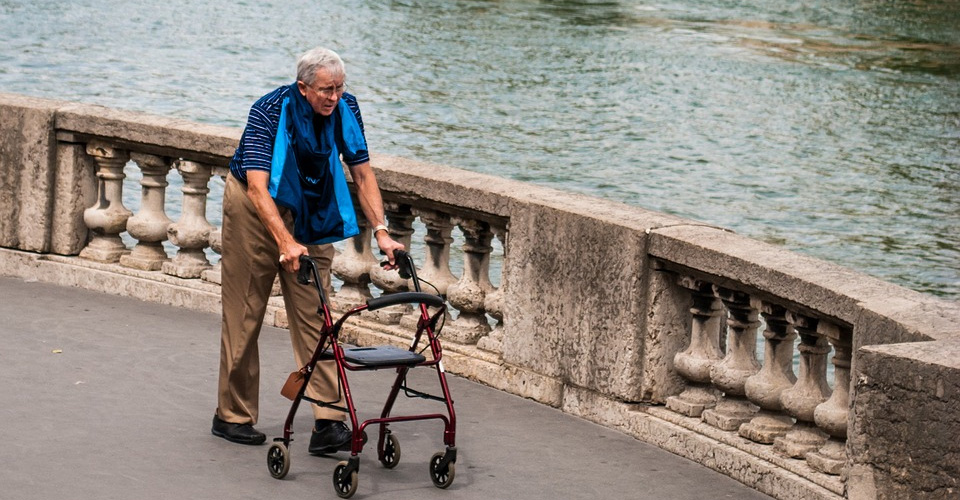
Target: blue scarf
point(306, 175)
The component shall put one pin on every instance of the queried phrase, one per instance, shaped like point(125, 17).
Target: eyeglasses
point(328, 92)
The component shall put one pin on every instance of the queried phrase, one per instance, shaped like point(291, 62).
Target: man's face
point(324, 94)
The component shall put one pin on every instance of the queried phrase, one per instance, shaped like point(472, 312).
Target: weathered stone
point(213, 275)
point(730, 413)
point(192, 232)
point(906, 412)
point(830, 458)
point(76, 189)
point(766, 427)
point(353, 267)
point(149, 225)
point(667, 333)
point(27, 172)
point(107, 218)
point(803, 439)
point(694, 400)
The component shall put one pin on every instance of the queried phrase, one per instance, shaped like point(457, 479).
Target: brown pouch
point(292, 386)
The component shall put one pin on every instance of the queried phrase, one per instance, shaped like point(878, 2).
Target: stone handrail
point(638, 320)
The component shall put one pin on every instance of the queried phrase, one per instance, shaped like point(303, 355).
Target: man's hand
point(372, 206)
point(387, 245)
point(290, 249)
point(290, 256)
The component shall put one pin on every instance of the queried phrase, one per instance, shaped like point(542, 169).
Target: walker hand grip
point(404, 298)
point(306, 266)
point(404, 262)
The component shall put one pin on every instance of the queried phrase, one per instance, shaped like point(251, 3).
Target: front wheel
point(278, 460)
point(344, 483)
point(440, 475)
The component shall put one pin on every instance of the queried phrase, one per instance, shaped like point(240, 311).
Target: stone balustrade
point(800, 378)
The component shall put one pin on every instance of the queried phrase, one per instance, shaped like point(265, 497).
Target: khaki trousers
point(249, 265)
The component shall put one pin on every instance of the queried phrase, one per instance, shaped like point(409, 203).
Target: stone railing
point(637, 320)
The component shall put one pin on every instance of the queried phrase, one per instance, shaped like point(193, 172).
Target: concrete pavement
point(106, 397)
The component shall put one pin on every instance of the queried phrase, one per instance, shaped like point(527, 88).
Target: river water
point(828, 127)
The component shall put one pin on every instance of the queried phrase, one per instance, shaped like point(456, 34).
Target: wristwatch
point(379, 227)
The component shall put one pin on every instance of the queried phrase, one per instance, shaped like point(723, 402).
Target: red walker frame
point(441, 465)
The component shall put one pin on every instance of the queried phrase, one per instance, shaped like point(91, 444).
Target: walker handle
point(404, 263)
point(404, 298)
point(306, 268)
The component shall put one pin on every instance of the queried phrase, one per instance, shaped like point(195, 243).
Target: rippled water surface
point(831, 128)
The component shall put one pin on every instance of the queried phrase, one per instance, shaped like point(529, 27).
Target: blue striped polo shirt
point(255, 151)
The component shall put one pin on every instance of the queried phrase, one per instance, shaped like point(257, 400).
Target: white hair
point(316, 59)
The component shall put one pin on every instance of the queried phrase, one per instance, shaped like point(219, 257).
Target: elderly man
point(281, 202)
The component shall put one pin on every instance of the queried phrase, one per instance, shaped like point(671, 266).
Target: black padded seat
point(384, 355)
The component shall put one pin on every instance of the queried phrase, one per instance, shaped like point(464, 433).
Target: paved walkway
point(104, 397)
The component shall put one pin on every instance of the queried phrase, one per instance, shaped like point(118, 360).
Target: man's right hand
point(290, 249)
point(290, 256)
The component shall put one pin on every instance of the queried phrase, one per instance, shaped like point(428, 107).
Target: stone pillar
point(216, 244)
point(694, 363)
point(30, 194)
point(215, 240)
point(149, 225)
point(811, 389)
point(76, 189)
point(400, 220)
point(436, 266)
point(108, 217)
point(832, 416)
point(493, 304)
point(468, 294)
point(764, 388)
point(192, 232)
point(730, 374)
point(353, 266)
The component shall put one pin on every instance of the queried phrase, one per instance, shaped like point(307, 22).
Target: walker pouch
point(293, 385)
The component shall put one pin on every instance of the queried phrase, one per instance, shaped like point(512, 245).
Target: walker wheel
point(344, 484)
point(441, 477)
point(278, 460)
point(391, 452)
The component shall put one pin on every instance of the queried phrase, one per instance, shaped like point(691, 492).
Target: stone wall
point(904, 442)
point(595, 297)
point(27, 143)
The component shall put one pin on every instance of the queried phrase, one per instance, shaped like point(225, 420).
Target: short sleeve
point(258, 138)
point(355, 151)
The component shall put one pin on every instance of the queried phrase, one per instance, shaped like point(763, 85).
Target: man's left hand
point(388, 245)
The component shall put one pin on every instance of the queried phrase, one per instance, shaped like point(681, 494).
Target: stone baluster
point(400, 220)
point(353, 265)
point(216, 244)
point(192, 232)
point(436, 266)
point(149, 225)
point(832, 415)
point(215, 241)
point(493, 304)
point(730, 374)
point(694, 363)
point(764, 388)
point(108, 217)
point(468, 294)
point(811, 389)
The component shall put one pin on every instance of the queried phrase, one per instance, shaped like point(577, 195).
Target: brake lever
point(403, 270)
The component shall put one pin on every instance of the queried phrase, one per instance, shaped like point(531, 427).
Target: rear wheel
point(391, 451)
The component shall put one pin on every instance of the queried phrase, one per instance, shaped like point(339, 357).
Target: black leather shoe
point(237, 433)
point(329, 436)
